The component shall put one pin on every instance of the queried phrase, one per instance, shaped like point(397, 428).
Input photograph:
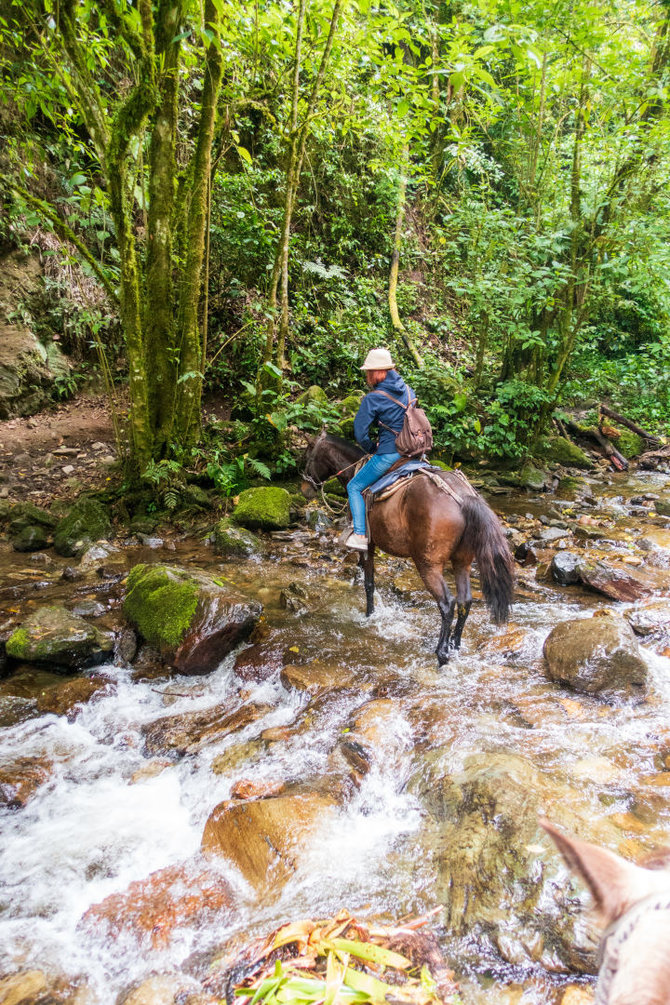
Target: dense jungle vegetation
point(264, 191)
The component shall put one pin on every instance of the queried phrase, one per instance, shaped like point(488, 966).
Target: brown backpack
point(416, 436)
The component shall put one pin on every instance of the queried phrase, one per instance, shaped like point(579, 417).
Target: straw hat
point(378, 359)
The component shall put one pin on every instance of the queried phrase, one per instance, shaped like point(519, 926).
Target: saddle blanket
point(392, 476)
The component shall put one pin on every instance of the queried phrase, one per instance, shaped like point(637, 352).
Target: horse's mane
point(339, 441)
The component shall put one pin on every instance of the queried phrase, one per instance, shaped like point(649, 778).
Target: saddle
point(454, 483)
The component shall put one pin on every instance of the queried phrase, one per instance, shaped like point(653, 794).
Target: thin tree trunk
point(395, 264)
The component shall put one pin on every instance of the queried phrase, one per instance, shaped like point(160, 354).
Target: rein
point(317, 485)
point(617, 935)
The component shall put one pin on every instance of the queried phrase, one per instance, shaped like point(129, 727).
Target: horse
point(633, 902)
point(424, 523)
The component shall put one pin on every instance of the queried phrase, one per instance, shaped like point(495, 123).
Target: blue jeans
point(369, 473)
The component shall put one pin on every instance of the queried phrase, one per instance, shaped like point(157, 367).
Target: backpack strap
point(395, 400)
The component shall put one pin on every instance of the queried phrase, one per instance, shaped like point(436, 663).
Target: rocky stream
point(155, 815)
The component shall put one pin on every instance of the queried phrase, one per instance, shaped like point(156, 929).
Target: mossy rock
point(559, 450)
point(437, 463)
point(55, 636)
point(7, 507)
point(314, 394)
point(31, 538)
point(234, 542)
point(531, 477)
point(333, 487)
point(263, 509)
point(25, 514)
point(347, 428)
point(86, 523)
point(161, 602)
point(350, 405)
point(194, 618)
point(630, 444)
point(195, 496)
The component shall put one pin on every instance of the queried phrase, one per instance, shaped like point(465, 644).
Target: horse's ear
point(614, 883)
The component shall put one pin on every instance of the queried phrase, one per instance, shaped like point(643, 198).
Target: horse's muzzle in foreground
point(634, 905)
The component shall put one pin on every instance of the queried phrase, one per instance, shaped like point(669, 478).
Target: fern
point(259, 468)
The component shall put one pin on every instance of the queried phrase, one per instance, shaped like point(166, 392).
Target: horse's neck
point(344, 460)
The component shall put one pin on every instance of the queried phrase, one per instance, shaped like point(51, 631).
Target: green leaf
point(244, 154)
point(271, 368)
point(403, 107)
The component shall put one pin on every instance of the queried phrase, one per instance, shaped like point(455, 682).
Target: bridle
point(317, 485)
point(616, 936)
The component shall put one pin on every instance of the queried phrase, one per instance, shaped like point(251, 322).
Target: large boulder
point(266, 838)
point(598, 655)
point(87, 522)
point(564, 568)
point(27, 367)
point(20, 780)
point(193, 619)
point(560, 450)
point(56, 637)
point(498, 876)
point(267, 508)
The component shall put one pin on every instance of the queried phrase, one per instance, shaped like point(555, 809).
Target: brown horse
point(426, 524)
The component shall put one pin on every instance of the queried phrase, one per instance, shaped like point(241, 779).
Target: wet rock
point(293, 599)
point(249, 788)
point(98, 556)
point(86, 523)
point(577, 994)
point(266, 838)
point(68, 697)
point(509, 643)
point(377, 734)
point(190, 732)
point(244, 754)
point(161, 989)
point(24, 988)
point(191, 617)
point(564, 568)
point(316, 677)
point(662, 507)
point(125, 648)
point(232, 541)
point(263, 509)
point(258, 662)
point(616, 583)
point(548, 535)
point(156, 907)
point(20, 780)
point(598, 655)
point(525, 555)
point(318, 520)
point(496, 872)
point(651, 618)
point(54, 636)
point(89, 609)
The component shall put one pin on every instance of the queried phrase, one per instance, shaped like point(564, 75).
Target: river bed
point(103, 821)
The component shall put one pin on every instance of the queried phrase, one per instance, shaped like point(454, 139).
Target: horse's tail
point(484, 536)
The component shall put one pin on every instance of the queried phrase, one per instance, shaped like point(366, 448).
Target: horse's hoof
point(442, 659)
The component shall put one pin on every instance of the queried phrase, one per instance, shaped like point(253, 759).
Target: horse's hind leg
point(463, 599)
point(367, 563)
point(434, 580)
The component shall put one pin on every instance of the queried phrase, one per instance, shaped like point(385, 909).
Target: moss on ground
point(17, 644)
point(160, 604)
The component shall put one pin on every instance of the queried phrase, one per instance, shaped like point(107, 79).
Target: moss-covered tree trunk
point(397, 324)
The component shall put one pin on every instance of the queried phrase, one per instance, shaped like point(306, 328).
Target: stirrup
point(360, 545)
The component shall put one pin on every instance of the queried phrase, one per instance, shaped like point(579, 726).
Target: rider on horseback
point(380, 375)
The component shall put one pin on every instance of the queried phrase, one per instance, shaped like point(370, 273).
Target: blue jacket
point(377, 406)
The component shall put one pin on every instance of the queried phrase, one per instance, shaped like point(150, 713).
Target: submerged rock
point(55, 636)
point(651, 618)
point(68, 697)
point(190, 616)
point(598, 655)
point(87, 522)
point(267, 508)
point(266, 838)
point(20, 780)
point(156, 907)
point(191, 731)
point(496, 872)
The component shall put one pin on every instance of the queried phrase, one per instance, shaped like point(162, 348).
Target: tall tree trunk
point(187, 422)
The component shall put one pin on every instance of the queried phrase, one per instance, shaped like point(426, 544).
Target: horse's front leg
point(434, 580)
point(367, 563)
point(463, 599)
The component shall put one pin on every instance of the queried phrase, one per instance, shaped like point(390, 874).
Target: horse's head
point(316, 469)
point(634, 904)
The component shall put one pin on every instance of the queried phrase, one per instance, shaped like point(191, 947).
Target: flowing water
point(102, 821)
